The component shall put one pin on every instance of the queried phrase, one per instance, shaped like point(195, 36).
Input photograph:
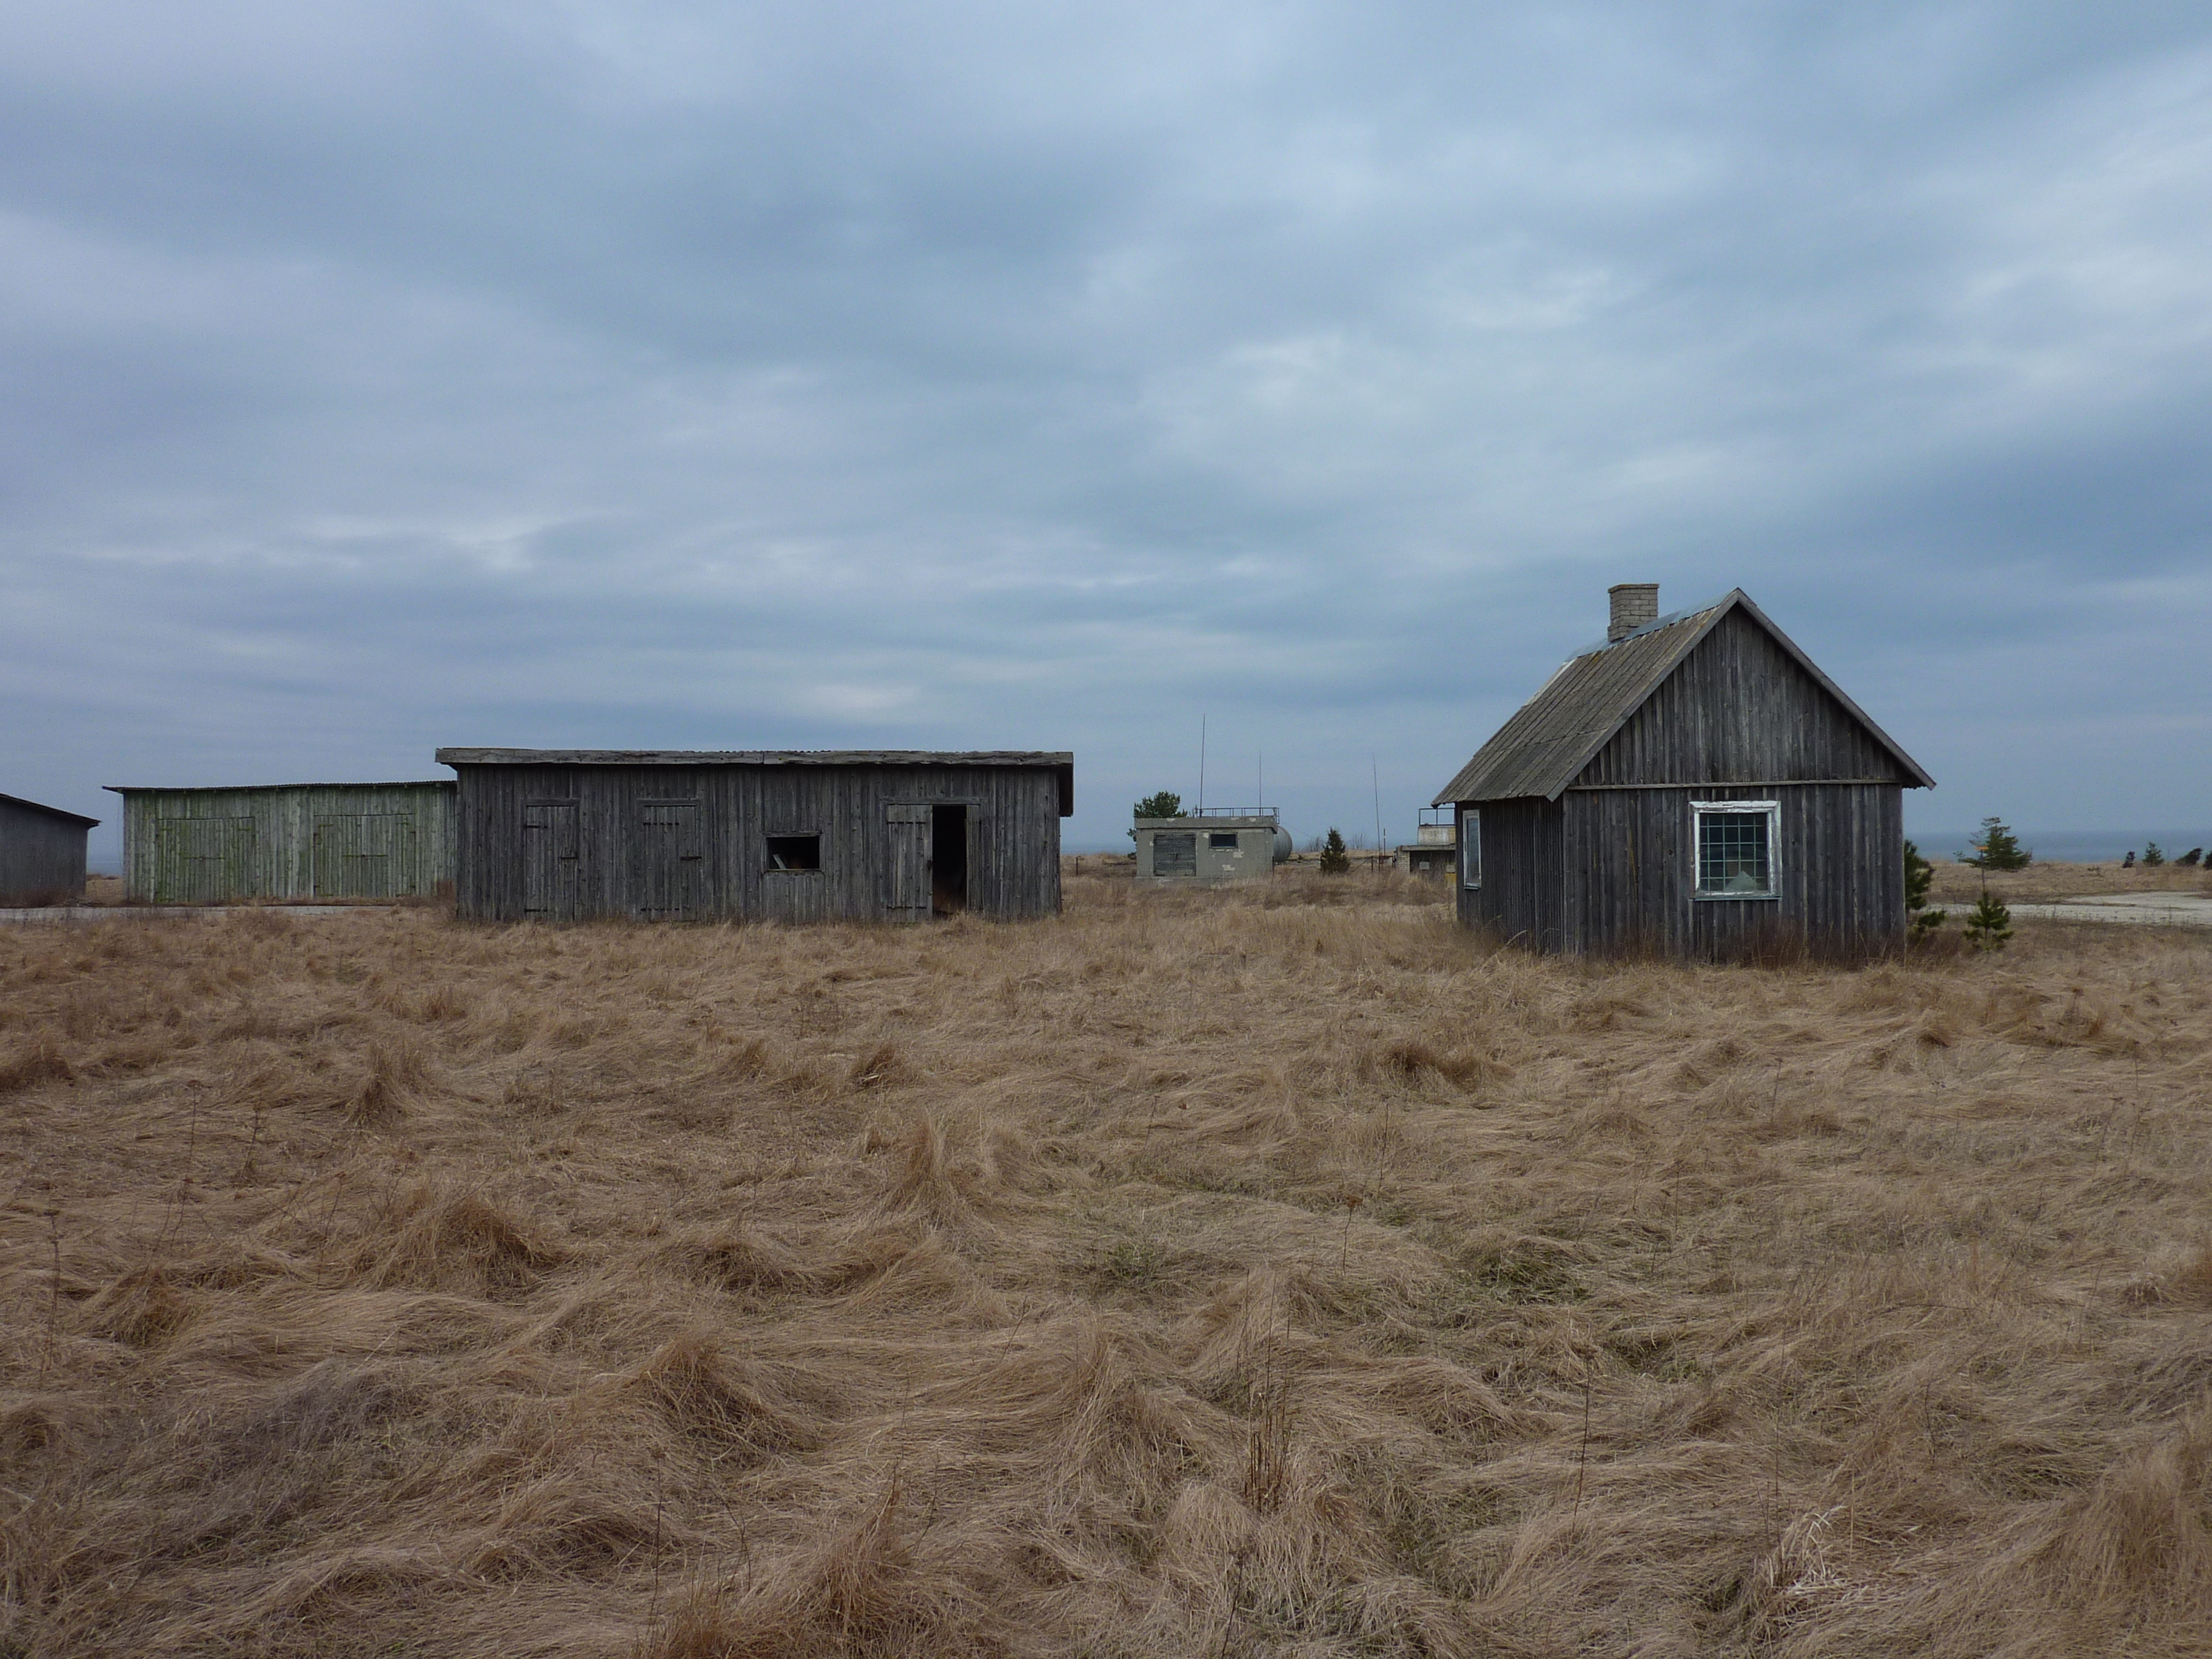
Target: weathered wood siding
point(298, 841)
point(1739, 708)
point(1611, 865)
point(41, 856)
point(619, 813)
point(1630, 873)
point(1520, 897)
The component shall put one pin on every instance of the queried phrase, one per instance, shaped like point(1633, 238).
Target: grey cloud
point(374, 377)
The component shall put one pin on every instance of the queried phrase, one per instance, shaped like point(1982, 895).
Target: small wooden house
point(1695, 786)
point(287, 842)
point(1209, 847)
point(792, 834)
point(41, 853)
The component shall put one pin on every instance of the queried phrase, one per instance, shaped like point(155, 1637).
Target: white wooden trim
point(1698, 809)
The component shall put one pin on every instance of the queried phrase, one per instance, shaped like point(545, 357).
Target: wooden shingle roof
point(1580, 709)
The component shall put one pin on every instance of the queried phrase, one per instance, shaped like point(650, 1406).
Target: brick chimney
point(1634, 603)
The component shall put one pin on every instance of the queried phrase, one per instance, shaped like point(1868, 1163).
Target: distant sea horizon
point(2058, 846)
point(2068, 846)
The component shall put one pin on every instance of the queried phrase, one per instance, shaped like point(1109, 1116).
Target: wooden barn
point(791, 835)
point(287, 842)
point(41, 853)
point(1694, 786)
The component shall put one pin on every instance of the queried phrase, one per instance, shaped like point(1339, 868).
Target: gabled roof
point(51, 812)
point(1580, 709)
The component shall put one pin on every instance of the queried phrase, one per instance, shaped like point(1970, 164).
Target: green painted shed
point(290, 841)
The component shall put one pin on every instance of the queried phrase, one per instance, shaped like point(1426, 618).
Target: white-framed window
point(1470, 847)
point(1738, 848)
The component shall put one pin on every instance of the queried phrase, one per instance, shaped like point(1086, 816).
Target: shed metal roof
point(1580, 709)
point(1061, 760)
point(51, 812)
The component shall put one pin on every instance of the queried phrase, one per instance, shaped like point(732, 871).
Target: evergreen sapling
point(1997, 849)
point(1333, 859)
point(1921, 919)
point(1161, 804)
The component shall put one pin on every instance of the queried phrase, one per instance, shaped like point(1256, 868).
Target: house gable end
point(1745, 706)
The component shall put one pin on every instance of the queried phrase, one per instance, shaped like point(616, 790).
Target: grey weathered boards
point(291, 840)
point(41, 853)
point(796, 835)
point(1694, 786)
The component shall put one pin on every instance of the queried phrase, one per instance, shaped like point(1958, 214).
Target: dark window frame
point(772, 868)
point(1470, 847)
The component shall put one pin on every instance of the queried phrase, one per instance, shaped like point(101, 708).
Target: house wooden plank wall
point(791, 836)
point(1597, 809)
point(298, 841)
point(41, 853)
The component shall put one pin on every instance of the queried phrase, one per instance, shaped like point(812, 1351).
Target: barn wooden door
point(670, 858)
point(364, 854)
point(551, 885)
point(907, 870)
point(204, 861)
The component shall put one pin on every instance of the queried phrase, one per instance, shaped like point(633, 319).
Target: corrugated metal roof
point(51, 812)
point(1544, 747)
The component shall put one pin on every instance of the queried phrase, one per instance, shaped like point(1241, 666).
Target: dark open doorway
point(948, 859)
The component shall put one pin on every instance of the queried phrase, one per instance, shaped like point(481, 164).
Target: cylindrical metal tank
point(1282, 845)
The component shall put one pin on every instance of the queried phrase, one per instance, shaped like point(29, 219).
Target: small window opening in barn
point(794, 852)
point(1470, 848)
point(1221, 840)
point(1735, 848)
point(948, 859)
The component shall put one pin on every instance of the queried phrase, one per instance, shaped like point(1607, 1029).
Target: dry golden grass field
point(1201, 1274)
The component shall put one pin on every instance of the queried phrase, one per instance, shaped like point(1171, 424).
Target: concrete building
point(299, 842)
point(1693, 786)
point(788, 835)
point(41, 853)
point(1434, 850)
point(1211, 846)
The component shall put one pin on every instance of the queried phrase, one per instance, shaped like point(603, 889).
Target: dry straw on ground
point(1207, 1274)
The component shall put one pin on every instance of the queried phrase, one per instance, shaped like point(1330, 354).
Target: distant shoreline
point(2067, 846)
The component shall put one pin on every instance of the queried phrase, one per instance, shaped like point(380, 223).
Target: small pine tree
point(1918, 874)
point(1166, 804)
point(1333, 861)
point(1997, 849)
point(2152, 857)
point(1989, 924)
point(2192, 858)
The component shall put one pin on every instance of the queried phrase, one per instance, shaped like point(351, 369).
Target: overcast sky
point(374, 377)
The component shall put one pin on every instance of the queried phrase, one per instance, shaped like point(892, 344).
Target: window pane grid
point(1732, 853)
